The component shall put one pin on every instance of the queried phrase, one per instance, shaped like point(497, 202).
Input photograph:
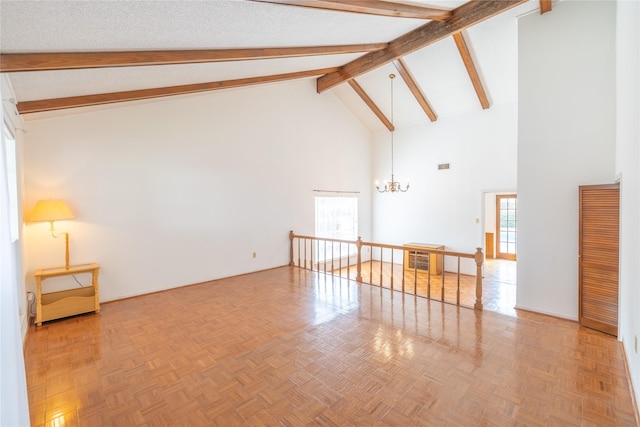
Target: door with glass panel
point(507, 226)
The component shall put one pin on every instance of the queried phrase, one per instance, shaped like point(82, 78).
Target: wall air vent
point(443, 166)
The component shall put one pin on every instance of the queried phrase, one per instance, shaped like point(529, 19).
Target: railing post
point(359, 262)
point(291, 248)
point(479, 256)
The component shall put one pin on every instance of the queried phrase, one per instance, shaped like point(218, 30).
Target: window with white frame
point(336, 218)
point(11, 175)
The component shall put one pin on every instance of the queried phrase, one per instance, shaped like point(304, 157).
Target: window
point(336, 218)
point(12, 184)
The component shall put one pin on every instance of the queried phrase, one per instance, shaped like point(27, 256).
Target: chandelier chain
point(393, 127)
point(393, 185)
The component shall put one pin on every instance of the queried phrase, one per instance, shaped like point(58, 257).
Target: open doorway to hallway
point(499, 286)
point(500, 236)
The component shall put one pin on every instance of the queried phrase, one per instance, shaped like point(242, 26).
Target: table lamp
point(53, 210)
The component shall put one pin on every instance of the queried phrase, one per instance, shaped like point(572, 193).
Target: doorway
point(499, 272)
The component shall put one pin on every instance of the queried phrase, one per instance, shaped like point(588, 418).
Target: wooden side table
point(420, 257)
point(55, 305)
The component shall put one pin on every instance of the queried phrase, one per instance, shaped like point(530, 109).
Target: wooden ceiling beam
point(367, 100)
point(15, 62)
point(545, 6)
point(463, 17)
point(471, 69)
point(133, 95)
point(414, 88)
point(370, 7)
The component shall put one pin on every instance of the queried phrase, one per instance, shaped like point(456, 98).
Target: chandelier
point(392, 186)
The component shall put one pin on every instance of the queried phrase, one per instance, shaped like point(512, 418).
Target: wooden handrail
point(478, 257)
point(325, 239)
point(386, 245)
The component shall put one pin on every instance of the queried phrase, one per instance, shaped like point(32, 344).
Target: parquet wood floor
point(290, 347)
point(499, 283)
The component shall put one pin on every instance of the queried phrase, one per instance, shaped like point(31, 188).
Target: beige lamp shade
point(50, 210)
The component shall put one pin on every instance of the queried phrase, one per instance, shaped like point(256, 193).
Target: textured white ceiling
point(58, 26)
point(93, 25)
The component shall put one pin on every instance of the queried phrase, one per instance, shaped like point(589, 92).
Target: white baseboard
point(548, 313)
point(24, 326)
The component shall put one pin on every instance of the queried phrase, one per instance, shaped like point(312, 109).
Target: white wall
point(16, 126)
point(566, 138)
point(628, 165)
point(184, 190)
point(490, 212)
point(442, 205)
point(14, 409)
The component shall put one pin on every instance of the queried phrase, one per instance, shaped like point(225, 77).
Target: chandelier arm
point(384, 190)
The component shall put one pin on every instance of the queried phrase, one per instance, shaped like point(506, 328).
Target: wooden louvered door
point(598, 250)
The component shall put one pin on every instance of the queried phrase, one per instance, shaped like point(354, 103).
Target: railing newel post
point(291, 236)
point(391, 269)
point(458, 285)
point(443, 272)
point(359, 260)
point(381, 259)
point(479, 257)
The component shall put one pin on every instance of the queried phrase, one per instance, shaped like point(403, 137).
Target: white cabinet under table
point(55, 305)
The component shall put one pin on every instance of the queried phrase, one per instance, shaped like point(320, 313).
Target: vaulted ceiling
point(449, 55)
